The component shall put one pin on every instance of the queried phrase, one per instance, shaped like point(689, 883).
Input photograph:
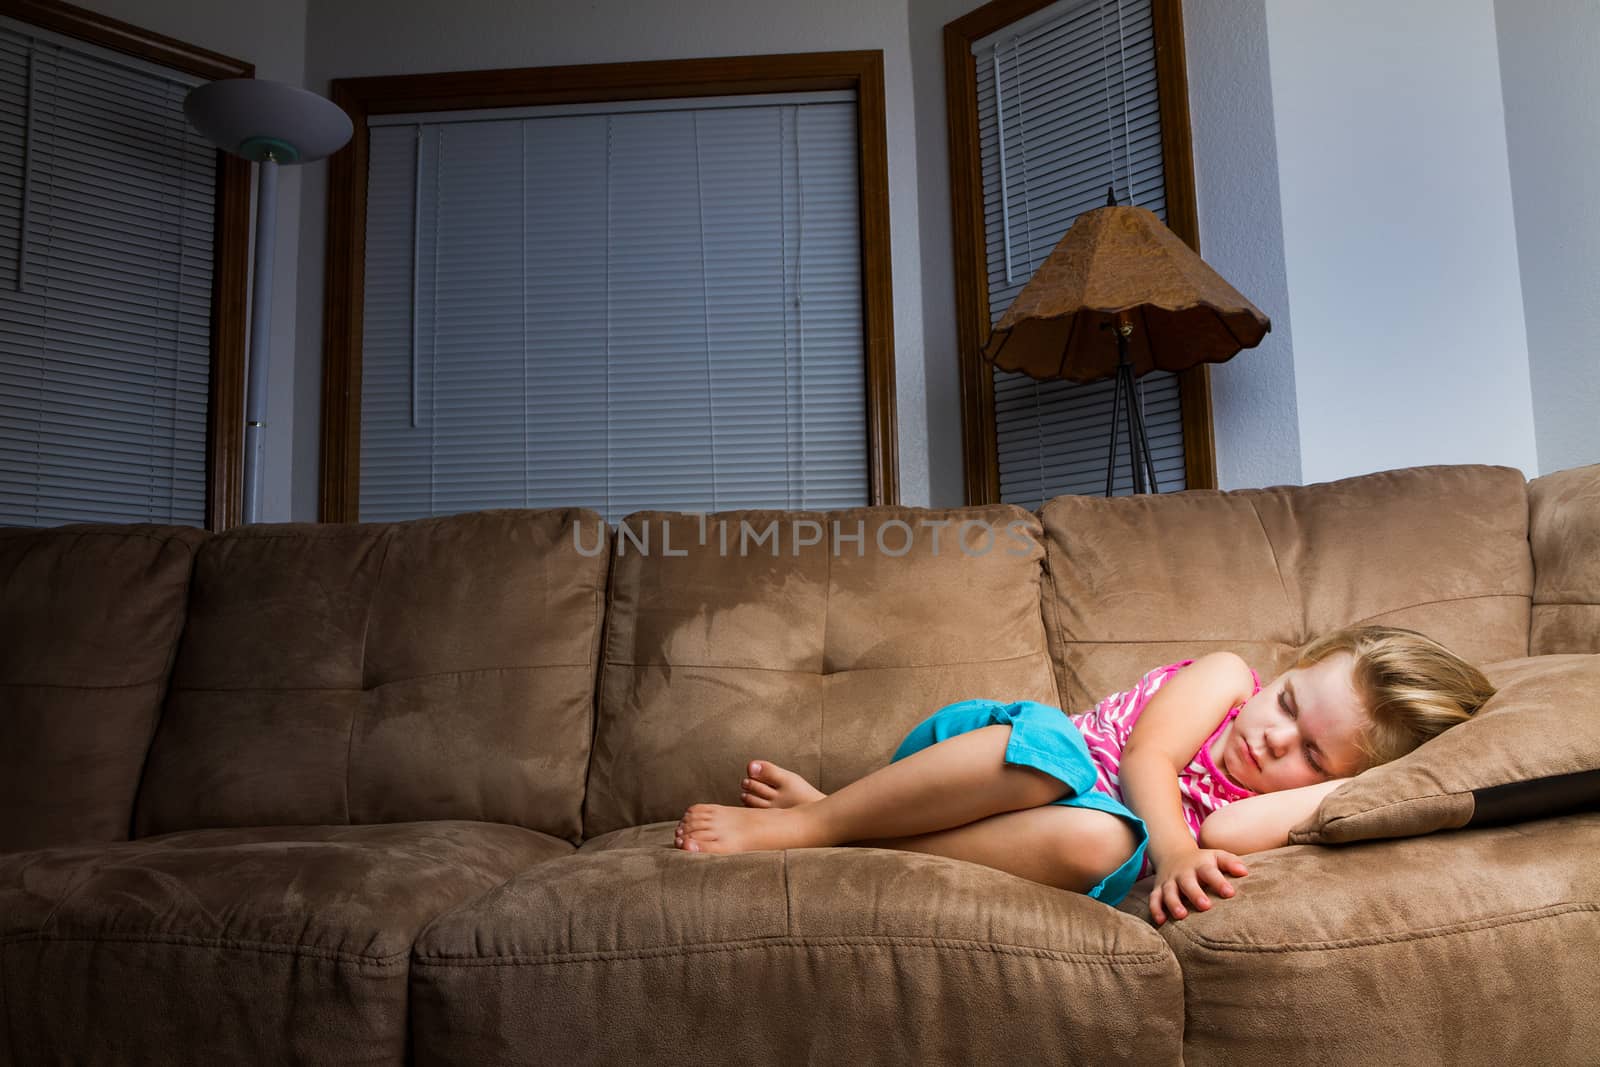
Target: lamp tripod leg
point(1125, 374)
point(1116, 410)
point(1144, 441)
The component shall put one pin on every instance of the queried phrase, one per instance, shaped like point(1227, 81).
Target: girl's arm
point(1170, 730)
point(1258, 823)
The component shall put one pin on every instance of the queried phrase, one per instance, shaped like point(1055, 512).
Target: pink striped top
point(1202, 788)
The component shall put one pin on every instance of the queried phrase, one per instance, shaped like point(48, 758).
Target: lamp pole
point(268, 123)
point(255, 411)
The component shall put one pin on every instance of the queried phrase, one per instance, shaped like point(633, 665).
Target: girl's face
point(1299, 730)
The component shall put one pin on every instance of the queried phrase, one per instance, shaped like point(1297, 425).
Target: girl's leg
point(1068, 848)
point(952, 783)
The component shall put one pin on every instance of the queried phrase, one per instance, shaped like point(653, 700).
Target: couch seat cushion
point(650, 835)
point(1472, 947)
point(273, 945)
point(649, 954)
point(1532, 751)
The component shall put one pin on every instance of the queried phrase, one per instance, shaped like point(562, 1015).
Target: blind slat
point(1078, 100)
point(105, 351)
point(637, 310)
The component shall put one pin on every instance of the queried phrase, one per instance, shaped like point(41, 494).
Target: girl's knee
point(1096, 846)
point(1115, 844)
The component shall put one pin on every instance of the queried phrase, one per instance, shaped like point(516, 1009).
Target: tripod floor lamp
point(1121, 295)
point(271, 124)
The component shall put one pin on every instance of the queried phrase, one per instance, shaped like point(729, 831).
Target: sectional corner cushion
point(283, 944)
point(90, 617)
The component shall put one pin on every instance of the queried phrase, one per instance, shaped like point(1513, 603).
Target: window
point(658, 302)
point(1059, 106)
point(619, 308)
point(109, 257)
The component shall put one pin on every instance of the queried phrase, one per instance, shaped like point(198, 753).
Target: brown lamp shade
point(1115, 260)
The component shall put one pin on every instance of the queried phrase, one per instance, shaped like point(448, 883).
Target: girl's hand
point(1185, 876)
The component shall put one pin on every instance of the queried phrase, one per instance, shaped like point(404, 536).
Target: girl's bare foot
point(719, 828)
point(770, 786)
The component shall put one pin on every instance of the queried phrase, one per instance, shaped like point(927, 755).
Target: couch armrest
point(1564, 531)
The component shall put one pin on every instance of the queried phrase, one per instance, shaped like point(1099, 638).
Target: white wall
point(1550, 77)
point(273, 37)
point(1399, 241)
point(358, 38)
point(1254, 408)
point(946, 470)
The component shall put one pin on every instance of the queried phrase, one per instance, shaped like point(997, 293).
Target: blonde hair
point(1412, 687)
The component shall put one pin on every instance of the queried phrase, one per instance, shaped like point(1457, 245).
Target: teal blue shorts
point(1045, 739)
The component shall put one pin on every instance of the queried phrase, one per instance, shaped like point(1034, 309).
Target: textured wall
point(1241, 235)
point(1550, 74)
point(1399, 242)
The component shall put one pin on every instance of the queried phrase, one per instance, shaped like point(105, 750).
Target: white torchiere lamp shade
point(268, 123)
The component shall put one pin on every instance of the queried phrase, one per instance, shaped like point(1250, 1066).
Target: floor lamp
point(1120, 296)
point(271, 124)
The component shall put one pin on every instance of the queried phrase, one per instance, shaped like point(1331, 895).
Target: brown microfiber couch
point(391, 793)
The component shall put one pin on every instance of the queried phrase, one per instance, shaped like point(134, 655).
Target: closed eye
point(1288, 709)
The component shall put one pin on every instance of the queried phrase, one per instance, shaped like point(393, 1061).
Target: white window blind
point(106, 221)
point(649, 307)
point(1067, 106)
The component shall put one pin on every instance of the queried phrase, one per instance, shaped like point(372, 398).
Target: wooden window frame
point(532, 86)
point(230, 239)
point(971, 268)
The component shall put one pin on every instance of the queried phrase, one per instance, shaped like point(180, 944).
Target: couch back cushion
point(368, 673)
point(814, 639)
point(89, 622)
point(1564, 529)
point(1135, 582)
